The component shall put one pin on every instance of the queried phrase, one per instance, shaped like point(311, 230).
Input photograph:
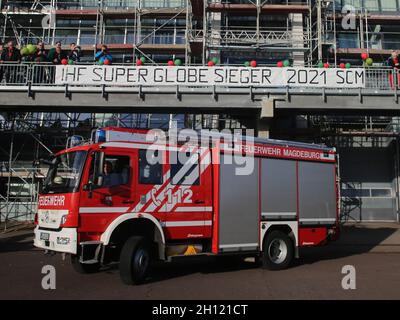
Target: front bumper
point(64, 240)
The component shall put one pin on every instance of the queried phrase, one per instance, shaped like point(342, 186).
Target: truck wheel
point(83, 267)
point(278, 251)
point(134, 260)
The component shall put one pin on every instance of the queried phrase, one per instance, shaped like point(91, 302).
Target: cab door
point(99, 205)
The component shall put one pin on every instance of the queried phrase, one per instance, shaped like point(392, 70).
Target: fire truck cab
point(124, 199)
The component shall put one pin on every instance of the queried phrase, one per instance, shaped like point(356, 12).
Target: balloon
point(210, 63)
point(24, 51)
point(247, 64)
point(279, 64)
point(171, 63)
point(101, 62)
point(215, 60)
point(70, 61)
point(342, 66)
point(253, 63)
point(348, 65)
point(107, 62)
point(143, 59)
point(31, 48)
point(139, 62)
point(320, 64)
point(64, 62)
point(364, 56)
point(178, 62)
point(286, 63)
point(326, 65)
point(369, 62)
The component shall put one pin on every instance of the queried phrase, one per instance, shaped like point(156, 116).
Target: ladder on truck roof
point(114, 134)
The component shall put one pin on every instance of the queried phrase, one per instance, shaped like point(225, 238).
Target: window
point(367, 193)
point(150, 172)
point(389, 5)
point(372, 5)
point(64, 173)
point(356, 193)
point(185, 168)
point(116, 170)
point(381, 193)
point(348, 40)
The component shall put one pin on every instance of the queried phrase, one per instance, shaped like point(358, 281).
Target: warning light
point(100, 136)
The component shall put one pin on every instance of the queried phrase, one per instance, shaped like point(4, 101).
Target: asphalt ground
point(373, 250)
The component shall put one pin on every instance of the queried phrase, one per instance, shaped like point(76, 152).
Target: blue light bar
point(100, 136)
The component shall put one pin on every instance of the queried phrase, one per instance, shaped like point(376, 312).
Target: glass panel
point(64, 174)
point(371, 5)
point(348, 40)
point(387, 193)
point(149, 172)
point(355, 193)
point(389, 5)
point(185, 168)
point(116, 170)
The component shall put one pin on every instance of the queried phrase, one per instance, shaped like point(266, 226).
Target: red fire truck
point(109, 201)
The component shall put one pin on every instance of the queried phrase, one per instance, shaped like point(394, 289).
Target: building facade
point(195, 31)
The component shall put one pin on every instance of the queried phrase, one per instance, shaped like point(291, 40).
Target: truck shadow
point(354, 240)
point(204, 265)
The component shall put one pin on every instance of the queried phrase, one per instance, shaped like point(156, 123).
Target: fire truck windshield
point(64, 173)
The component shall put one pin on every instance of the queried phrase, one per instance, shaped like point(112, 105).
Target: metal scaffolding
point(28, 137)
point(304, 32)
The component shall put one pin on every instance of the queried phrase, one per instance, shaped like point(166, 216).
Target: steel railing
point(93, 4)
point(43, 74)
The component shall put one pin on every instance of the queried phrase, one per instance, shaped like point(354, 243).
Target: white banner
point(201, 76)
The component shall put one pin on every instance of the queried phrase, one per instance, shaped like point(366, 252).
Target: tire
point(83, 268)
point(278, 251)
point(134, 260)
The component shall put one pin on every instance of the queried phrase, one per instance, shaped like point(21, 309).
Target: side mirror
point(96, 180)
point(98, 171)
point(89, 187)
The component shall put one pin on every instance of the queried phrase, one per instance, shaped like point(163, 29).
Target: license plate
point(44, 236)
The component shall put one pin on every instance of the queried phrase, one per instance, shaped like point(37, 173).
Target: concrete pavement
point(373, 250)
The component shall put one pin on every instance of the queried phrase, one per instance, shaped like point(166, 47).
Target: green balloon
point(178, 62)
point(247, 64)
point(320, 64)
point(369, 62)
point(348, 65)
point(70, 61)
point(31, 48)
point(101, 62)
point(286, 63)
point(215, 60)
point(24, 51)
point(143, 59)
